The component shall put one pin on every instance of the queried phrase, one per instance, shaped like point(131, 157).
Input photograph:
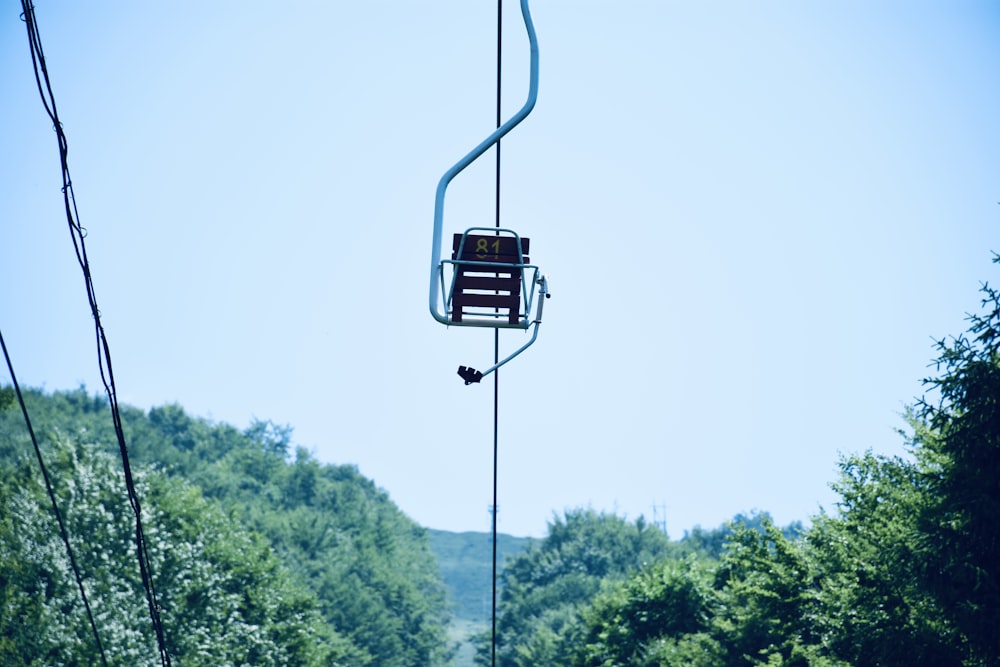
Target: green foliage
point(225, 598)
point(876, 609)
point(545, 587)
point(712, 542)
point(766, 596)
point(690, 650)
point(368, 566)
point(754, 605)
point(7, 397)
point(846, 591)
point(629, 623)
point(959, 447)
point(369, 563)
point(905, 573)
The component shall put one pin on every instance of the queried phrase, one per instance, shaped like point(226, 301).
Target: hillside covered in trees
point(262, 555)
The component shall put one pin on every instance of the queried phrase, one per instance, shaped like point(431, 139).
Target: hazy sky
point(755, 218)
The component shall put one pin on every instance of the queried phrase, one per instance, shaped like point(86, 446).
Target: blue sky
point(755, 218)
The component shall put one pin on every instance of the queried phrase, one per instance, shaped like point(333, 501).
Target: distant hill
point(465, 561)
point(465, 565)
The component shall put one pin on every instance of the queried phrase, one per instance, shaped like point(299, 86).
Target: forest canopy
point(262, 555)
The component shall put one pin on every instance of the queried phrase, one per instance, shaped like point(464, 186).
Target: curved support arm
point(475, 153)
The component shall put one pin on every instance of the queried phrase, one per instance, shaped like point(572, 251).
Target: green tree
point(712, 542)
point(544, 588)
point(225, 598)
point(906, 572)
point(370, 564)
point(766, 598)
point(7, 397)
point(658, 617)
point(957, 441)
point(757, 604)
point(875, 609)
point(340, 536)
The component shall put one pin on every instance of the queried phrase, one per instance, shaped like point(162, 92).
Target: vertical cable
point(496, 360)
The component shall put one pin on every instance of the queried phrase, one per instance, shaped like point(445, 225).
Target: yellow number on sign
point(483, 248)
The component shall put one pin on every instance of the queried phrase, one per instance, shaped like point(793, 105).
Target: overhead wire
point(78, 234)
point(63, 533)
point(496, 360)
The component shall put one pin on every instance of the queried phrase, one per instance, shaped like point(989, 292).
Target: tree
point(224, 596)
point(647, 619)
point(369, 563)
point(341, 537)
point(766, 599)
point(874, 607)
point(712, 542)
point(957, 441)
point(544, 588)
point(7, 397)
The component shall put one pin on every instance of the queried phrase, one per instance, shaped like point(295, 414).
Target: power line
point(78, 233)
point(55, 506)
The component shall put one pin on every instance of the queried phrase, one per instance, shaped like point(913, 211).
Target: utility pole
point(660, 516)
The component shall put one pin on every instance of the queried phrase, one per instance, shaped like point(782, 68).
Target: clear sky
point(755, 218)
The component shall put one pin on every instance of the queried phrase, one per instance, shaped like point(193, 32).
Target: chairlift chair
point(488, 282)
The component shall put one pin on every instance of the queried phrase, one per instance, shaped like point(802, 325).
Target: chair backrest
point(485, 287)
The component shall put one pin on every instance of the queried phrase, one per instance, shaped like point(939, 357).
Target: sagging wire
point(55, 505)
point(78, 233)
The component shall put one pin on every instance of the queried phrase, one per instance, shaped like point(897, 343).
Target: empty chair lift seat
point(488, 277)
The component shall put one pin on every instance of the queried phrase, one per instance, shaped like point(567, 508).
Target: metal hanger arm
point(472, 155)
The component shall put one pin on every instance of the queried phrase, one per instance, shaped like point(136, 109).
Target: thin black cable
point(55, 506)
point(496, 360)
point(78, 233)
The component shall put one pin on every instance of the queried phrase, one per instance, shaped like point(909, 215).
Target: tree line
point(905, 571)
point(261, 554)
